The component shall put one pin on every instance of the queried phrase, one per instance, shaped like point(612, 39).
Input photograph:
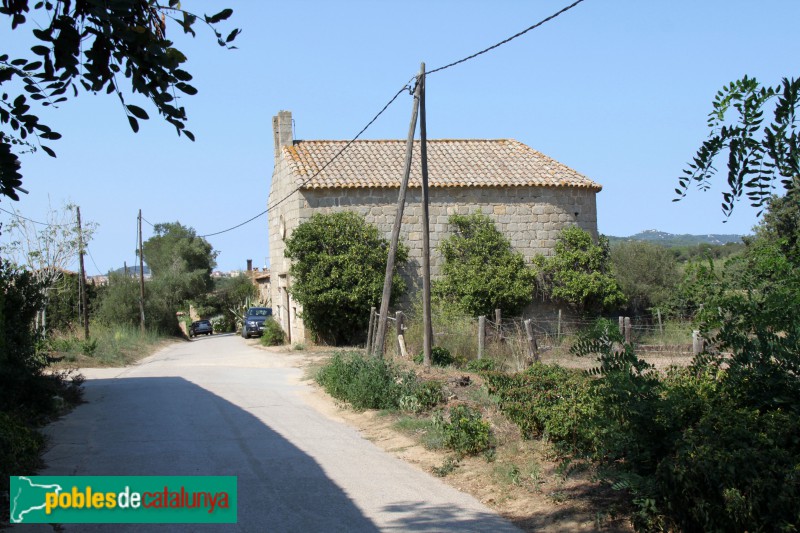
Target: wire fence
point(507, 342)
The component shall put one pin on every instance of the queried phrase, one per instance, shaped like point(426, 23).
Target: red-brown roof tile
point(451, 163)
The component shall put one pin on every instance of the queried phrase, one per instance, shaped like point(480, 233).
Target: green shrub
point(439, 357)
point(736, 470)
point(273, 333)
point(467, 433)
point(20, 447)
point(366, 383)
point(549, 401)
point(429, 394)
point(579, 273)
point(481, 270)
point(338, 266)
point(481, 365)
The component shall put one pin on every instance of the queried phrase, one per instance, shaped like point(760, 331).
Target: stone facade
point(530, 216)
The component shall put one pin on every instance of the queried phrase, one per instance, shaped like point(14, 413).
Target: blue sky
point(618, 90)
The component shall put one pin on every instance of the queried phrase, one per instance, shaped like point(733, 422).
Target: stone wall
point(283, 216)
point(530, 217)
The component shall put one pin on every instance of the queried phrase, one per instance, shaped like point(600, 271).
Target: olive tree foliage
point(759, 154)
point(646, 273)
point(91, 46)
point(181, 265)
point(579, 273)
point(46, 250)
point(338, 267)
point(481, 271)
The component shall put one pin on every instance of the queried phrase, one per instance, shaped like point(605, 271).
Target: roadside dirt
point(524, 482)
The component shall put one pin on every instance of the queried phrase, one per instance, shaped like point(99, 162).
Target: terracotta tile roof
point(451, 163)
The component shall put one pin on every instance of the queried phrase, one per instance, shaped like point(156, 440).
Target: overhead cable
point(501, 43)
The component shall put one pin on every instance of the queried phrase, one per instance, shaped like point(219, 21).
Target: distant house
point(530, 196)
point(261, 280)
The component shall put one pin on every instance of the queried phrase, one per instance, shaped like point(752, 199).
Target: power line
point(406, 87)
point(501, 43)
point(331, 160)
point(92, 258)
point(236, 226)
point(35, 221)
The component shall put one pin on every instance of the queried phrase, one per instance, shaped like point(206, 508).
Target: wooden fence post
point(481, 335)
point(498, 320)
point(628, 330)
point(558, 330)
point(697, 342)
point(398, 319)
point(660, 325)
point(622, 325)
point(533, 349)
point(370, 330)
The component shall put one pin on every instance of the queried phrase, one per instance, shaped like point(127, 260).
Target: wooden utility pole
point(380, 331)
point(427, 325)
point(141, 276)
point(82, 281)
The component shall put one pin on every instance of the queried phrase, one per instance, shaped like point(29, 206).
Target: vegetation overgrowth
point(375, 383)
point(116, 345)
point(273, 334)
point(338, 268)
point(481, 271)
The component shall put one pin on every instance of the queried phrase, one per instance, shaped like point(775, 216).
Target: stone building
point(261, 281)
point(530, 196)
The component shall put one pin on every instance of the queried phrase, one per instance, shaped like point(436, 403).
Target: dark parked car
point(253, 323)
point(201, 327)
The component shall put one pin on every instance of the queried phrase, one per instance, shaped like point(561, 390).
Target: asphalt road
point(221, 406)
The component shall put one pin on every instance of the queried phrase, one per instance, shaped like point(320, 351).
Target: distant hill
point(670, 240)
point(132, 270)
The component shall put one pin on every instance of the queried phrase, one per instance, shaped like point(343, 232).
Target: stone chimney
point(249, 265)
point(282, 131)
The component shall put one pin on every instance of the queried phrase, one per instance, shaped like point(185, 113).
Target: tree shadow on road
point(164, 426)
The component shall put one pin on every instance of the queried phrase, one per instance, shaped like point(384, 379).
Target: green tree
point(47, 251)
point(781, 226)
point(229, 296)
point(758, 155)
point(481, 270)
point(579, 273)
point(181, 265)
point(63, 303)
point(339, 262)
point(119, 301)
point(20, 299)
point(647, 274)
point(91, 46)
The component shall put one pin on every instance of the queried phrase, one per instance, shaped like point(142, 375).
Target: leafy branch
point(758, 155)
point(87, 44)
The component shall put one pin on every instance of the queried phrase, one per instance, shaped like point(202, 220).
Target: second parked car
point(201, 327)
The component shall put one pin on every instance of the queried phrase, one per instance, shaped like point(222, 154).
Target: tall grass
point(117, 345)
